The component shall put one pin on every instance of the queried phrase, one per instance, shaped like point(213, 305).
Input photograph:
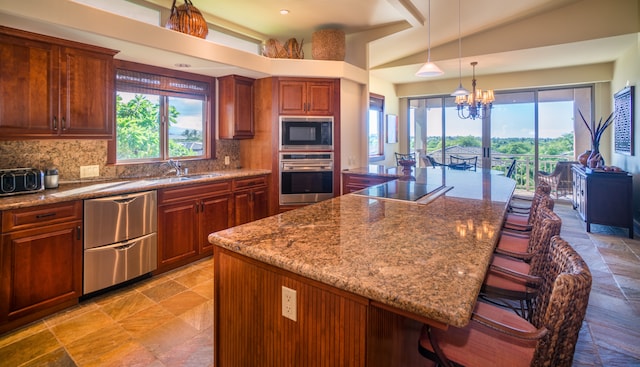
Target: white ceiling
point(546, 33)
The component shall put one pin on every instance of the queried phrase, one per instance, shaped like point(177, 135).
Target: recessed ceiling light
point(182, 65)
point(284, 11)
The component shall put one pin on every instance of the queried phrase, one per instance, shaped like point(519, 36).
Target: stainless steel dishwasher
point(120, 240)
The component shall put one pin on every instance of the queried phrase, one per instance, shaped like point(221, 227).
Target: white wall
point(627, 69)
point(353, 103)
point(391, 107)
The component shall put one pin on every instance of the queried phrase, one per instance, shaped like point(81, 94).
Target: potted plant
point(595, 158)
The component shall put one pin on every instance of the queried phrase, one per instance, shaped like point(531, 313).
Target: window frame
point(376, 103)
point(208, 133)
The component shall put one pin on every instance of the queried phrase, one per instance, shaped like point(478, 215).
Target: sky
point(515, 120)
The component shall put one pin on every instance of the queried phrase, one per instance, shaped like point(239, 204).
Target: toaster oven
point(20, 181)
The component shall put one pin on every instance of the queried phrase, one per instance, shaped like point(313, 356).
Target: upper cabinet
point(51, 88)
point(235, 97)
point(307, 96)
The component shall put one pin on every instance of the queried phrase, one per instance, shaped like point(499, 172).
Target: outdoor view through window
point(514, 131)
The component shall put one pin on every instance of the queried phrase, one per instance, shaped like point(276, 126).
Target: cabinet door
point(216, 214)
point(242, 207)
point(28, 87)
point(260, 204)
point(41, 268)
point(320, 98)
point(293, 97)
point(177, 237)
point(582, 204)
point(236, 107)
point(87, 102)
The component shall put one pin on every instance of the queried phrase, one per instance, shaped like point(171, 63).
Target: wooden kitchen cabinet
point(603, 198)
point(352, 182)
point(52, 88)
point(251, 198)
point(41, 262)
point(307, 96)
point(186, 217)
point(235, 100)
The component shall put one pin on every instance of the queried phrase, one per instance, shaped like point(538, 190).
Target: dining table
point(367, 270)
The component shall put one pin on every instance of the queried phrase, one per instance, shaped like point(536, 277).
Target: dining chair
point(514, 276)
point(462, 163)
point(511, 170)
point(404, 157)
point(498, 337)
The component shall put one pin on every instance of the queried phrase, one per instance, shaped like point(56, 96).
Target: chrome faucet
point(175, 166)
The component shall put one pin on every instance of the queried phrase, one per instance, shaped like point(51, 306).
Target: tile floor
point(167, 320)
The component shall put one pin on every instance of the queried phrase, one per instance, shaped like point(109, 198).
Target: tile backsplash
point(68, 155)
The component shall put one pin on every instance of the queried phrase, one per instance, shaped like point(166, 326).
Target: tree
point(138, 130)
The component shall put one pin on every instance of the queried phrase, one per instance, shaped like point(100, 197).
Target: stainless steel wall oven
point(305, 177)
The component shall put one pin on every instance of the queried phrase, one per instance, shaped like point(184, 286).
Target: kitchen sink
point(188, 178)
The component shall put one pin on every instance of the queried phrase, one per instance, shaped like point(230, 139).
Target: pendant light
point(429, 69)
point(460, 91)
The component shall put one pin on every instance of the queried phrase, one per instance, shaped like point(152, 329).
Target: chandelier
point(476, 104)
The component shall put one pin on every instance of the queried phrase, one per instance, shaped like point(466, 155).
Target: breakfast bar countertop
point(427, 260)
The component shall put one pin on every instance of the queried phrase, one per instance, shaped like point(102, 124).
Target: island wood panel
point(392, 339)
point(249, 330)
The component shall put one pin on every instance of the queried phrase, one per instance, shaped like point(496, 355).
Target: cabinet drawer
point(37, 216)
point(182, 193)
point(247, 183)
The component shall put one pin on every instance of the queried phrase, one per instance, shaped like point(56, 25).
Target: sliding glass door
point(534, 127)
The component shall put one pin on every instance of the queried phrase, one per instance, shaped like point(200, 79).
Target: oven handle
point(307, 168)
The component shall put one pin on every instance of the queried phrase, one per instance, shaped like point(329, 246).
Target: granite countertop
point(426, 259)
point(96, 188)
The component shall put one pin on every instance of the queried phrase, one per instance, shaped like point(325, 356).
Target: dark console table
point(603, 197)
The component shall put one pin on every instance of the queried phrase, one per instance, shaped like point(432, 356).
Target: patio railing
point(525, 174)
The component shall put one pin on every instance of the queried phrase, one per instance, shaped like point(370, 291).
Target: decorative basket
point(187, 19)
point(290, 50)
point(328, 44)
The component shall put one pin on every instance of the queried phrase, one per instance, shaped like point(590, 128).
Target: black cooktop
point(400, 190)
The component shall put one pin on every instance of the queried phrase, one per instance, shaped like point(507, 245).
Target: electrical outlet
point(89, 171)
point(289, 303)
point(226, 160)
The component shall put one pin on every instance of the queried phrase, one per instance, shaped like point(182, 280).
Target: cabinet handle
point(197, 208)
point(78, 233)
point(64, 124)
point(55, 123)
point(202, 208)
point(40, 216)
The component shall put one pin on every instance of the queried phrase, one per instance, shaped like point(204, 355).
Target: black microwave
point(306, 133)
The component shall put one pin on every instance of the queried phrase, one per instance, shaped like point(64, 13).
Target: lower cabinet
point(603, 198)
point(186, 216)
point(41, 262)
point(251, 198)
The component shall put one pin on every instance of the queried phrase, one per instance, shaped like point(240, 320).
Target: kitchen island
point(367, 272)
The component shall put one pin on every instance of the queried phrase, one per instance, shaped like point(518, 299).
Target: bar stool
point(513, 282)
point(521, 219)
point(498, 337)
